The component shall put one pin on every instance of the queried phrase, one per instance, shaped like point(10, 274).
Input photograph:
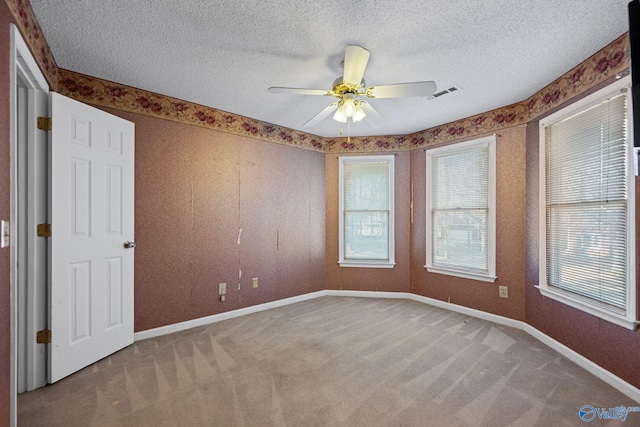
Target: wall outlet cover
point(503, 291)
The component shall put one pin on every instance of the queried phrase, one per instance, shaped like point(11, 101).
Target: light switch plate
point(222, 289)
point(4, 234)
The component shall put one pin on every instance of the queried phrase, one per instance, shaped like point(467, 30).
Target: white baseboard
point(501, 320)
point(368, 294)
point(606, 376)
point(177, 327)
point(597, 370)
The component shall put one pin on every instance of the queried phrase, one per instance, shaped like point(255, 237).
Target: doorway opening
point(29, 151)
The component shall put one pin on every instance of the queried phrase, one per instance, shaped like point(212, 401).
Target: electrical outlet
point(222, 289)
point(503, 291)
point(254, 281)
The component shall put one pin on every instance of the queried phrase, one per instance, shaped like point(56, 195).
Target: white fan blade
point(323, 114)
point(373, 117)
point(402, 89)
point(299, 91)
point(355, 61)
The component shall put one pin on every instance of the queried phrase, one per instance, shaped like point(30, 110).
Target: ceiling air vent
point(444, 92)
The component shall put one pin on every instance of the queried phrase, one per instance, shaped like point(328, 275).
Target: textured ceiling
point(225, 54)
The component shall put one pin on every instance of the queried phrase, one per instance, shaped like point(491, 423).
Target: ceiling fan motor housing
point(340, 87)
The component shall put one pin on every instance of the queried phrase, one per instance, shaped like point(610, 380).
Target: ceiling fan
point(351, 86)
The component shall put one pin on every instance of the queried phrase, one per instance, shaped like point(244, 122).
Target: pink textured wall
point(510, 222)
point(195, 189)
point(370, 279)
point(613, 347)
point(5, 209)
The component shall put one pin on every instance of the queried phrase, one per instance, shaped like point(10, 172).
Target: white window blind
point(586, 175)
point(461, 211)
point(366, 209)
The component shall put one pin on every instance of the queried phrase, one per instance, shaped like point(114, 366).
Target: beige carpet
point(331, 361)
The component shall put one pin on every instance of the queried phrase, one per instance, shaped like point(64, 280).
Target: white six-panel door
point(91, 216)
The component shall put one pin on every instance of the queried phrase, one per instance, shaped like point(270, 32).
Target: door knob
point(129, 245)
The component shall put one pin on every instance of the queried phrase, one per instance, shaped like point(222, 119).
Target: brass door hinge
point(44, 123)
point(43, 336)
point(44, 230)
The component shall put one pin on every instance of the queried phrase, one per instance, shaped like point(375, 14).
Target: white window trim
point(490, 276)
point(628, 319)
point(363, 263)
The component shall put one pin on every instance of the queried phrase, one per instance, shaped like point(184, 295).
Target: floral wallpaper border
point(99, 92)
point(30, 30)
point(610, 61)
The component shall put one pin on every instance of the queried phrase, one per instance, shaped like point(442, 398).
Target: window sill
point(367, 264)
point(464, 274)
point(592, 309)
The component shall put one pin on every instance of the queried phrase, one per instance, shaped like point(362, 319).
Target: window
point(461, 182)
point(366, 211)
point(587, 208)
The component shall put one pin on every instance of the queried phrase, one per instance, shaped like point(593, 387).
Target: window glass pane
point(460, 209)
point(366, 211)
point(460, 238)
point(366, 186)
point(460, 180)
point(366, 235)
point(586, 204)
point(587, 254)
point(586, 155)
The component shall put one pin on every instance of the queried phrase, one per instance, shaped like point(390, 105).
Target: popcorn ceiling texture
point(224, 55)
point(608, 62)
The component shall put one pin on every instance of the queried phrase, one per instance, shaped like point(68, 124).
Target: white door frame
point(23, 65)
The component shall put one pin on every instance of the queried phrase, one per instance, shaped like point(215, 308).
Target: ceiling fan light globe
point(339, 116)
point(348, 107)
point(359, 114)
